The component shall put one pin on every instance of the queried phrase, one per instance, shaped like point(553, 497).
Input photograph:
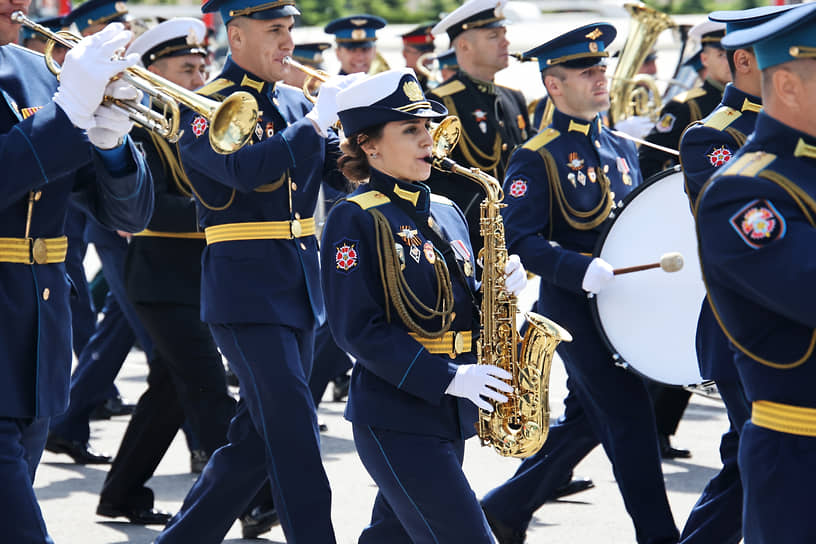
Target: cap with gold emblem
point(708, 33)
point(579, 48)
point(94, 12)
point(356, 30)
point(173, 38)
point(394, 95)
point(254, 9)
point(420, 38)
point(310, 53)
point(447, 59)
point(472, 14)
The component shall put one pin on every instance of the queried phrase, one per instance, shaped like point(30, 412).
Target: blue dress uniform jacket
point(260, 281)
point(756, 231)
point(396, 384)
point(37, 338)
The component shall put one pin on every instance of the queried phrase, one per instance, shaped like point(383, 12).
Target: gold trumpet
point(311, 74)
point(232, 121)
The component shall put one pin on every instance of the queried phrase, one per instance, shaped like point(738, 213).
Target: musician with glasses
point(98, 167)
point(561, 188)
point(756, 225)
point(260, 292)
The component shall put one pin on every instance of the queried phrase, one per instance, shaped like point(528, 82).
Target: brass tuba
point(231, 122)
point(631, 93)
point(519, 427)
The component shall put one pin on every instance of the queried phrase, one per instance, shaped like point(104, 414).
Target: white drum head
point(649, 318)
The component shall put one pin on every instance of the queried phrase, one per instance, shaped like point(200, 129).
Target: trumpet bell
point(233, 122)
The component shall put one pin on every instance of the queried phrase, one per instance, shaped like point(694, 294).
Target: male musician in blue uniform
point(706, 146)
point(109, 178)
point(260, 283)
point(756, 229)
point(561, 188)
point(417, 42)
point(311, 55)
point(691, 105)
point(355, 36)
point(494, 118)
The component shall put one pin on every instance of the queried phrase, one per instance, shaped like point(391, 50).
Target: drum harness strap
point(807, 205)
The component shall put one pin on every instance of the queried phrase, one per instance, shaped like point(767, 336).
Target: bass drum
point(649, 319)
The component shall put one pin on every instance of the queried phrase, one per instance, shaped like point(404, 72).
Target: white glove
point(597, 276)
point(87, 69)
point(637, 126)
point(515, 277)
point(324, 112)
point(111, 124)
point(473, 382)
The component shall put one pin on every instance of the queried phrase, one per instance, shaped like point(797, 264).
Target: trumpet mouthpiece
point(671, 262)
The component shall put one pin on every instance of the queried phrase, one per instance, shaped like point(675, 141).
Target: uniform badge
point(759, 224)
point(462, 252)
point(259, 132)
point(593, 177)
point(571, 178)
point(581, 178)
point(409, 236)
point(28, 112)
point(345, 255)
point(415, 253)
point(575, 162)
point(719, 156)
point(412, 91)
point(400, 254)
point(518, 188)
point(199, 125)
point(666, 123)
point(270, 129)
point(481, 120)
point(428, 250)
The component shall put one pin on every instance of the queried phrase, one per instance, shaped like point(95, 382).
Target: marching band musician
point(494, 118)
point(560, 188)
point(447, 64)
point(688, 106)
point(706, 146)
point(756, 229)
point(186, 378)
point(259, 287)
point(415, 387)
point(102, 171)
point(415, 43)
point(355, 36)
point(308, 54)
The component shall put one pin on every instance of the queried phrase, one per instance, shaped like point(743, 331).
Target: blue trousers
point(273, 434)
point(717, 515)
point(21, 445)
point(329, 362)
point(423, 494)
point(83, 314)
point(618, 412)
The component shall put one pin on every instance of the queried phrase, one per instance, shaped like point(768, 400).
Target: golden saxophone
point(519, 427)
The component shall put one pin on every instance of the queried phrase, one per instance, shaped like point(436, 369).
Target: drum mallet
point(670, 262)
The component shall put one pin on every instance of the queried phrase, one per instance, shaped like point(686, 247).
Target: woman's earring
point(373, 155)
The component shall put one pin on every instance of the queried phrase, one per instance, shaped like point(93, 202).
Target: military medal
point(481, 120)
point(400, 254)
point(428, 249)
point(575, 163)
point(593, 177)
point(462, 252)
point(415, 253)
point(581, 178)
point(270, 129)
point(571, 178)
point(409, 237)
point(259, 132)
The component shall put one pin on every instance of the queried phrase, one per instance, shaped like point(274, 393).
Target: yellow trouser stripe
point(33, 250)
point(261, 230)
point(784, 418)
point(163, 234)
point(452, 342)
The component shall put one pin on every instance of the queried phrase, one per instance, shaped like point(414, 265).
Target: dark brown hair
point(354, 162)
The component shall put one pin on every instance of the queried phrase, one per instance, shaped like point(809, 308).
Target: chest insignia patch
point(481, 119)
point(259, 131)
point(666, 123)
point(581, 178)
point(593, 177)
point(571, 178)
point(345, 255)
point(759, 223)
point(719, 156)
point(415, 253)
point(409, 236)
point(428, 250)
point(270, 129)
point(518, 188)
point(575, 163)
point(199, 125)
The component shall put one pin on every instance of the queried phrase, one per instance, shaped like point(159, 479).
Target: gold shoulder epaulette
point(448, 89)
point(439, 199)
point(749, 164)
point(541, 139)
point(370, 199)
point(688, 95)
point(722, 117)
point(214, 86)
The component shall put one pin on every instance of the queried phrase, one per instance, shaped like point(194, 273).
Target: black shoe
point(341, 387)
point(258, 521)
point(112, 407)
point(576, 485)
point(503, 533)
point(198, 460)
point(668, 452)
point(146, 516)
point(232, 379)
point(322, 427)
point(82, 454)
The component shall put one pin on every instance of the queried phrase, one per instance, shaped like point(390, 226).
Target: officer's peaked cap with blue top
point(254, 9)
point(355, 30)
point(51, 23)
point(96, 11)
point(788, 36)
point(395, 95)
point(447, 59)
point(579, 48)
point(746, 18)
point(472, 14)
point(310, 53)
